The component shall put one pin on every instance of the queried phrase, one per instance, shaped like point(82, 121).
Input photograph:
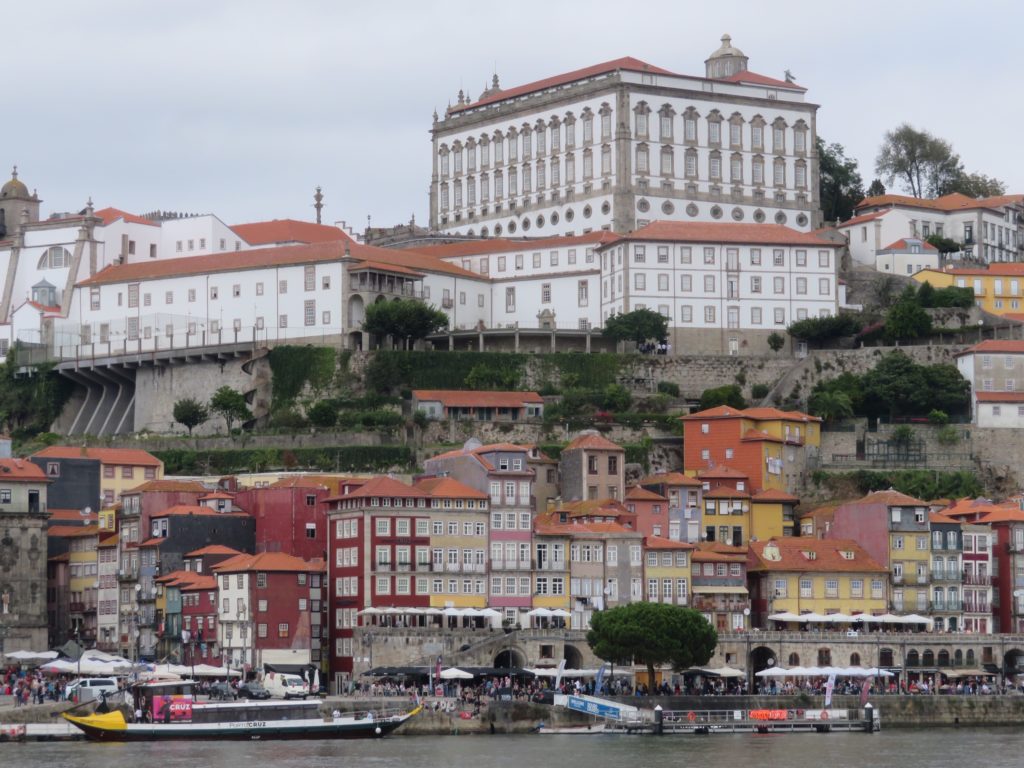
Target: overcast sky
point(242, 108)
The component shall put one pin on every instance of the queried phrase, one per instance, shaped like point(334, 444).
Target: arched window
point(913, 659)
point(958, 658)
point(885, 657)
point(824, 657)
point(794, 659)
point(928, 658)
point(970, 657)
point(943, 658)
point(55, 257)
point(854, 659)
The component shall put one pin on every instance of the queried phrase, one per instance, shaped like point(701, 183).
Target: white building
point(995, 369)
point(907, 256)
point(616, 145)
point(989, 229)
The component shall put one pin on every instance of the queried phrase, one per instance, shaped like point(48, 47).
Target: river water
point(932, 748)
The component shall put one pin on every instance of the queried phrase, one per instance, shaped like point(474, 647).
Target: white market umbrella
point(454, 673)
point(840, 618)
point(774, 672)
point(560, 613)
point(784, 616)
point(809, 617)
point(724, 671)
point(433, 611)
point(32, 655)
point(208, 670)
point(914, 618)
point(370, 612)
point(489, 612)
point(540, 612)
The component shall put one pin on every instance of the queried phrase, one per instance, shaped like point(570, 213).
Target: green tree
point(640, 326)
point(776, 341)
point(730, 395)
point(847, 384)
point(405, 320)
point(978, 185)
point(652, 634)
point(839, 184)
point(190, 413)
point(230, 405)
point(616, 398)
point(948, 390)
point(820, 329)
point(906, 319)
point(926, 294)
point(895, 385)
point(877, 189)
point(944, 244)
point(323, 413)
point(831, 406)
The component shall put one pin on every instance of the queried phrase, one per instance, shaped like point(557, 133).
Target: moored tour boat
point(172, 713)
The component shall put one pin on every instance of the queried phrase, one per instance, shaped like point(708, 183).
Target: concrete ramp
point(597, 707)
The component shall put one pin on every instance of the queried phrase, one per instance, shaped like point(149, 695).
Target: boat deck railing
point(749, 721)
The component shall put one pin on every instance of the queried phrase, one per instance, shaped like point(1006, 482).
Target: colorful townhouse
point(979, 562)
point(107, 604)
point(81, 542)
point(684, 503)
point(734, 514)
point(289, 516)
point(270, 615)
point(506, 473)
point(769, 446)
point(802, 575)
point(995, 370)
point(93, 477)
point(592, 467)
point(718, 585)
point(667, 570)
point(893, 529)
point(947, 572)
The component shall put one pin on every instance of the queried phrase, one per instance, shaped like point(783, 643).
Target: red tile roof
point(759, 436)
point(952, 202)
point(996, 347)
point(757, 414)
point(999, 397)
point(721, 473)
point(490, 448)
point(288, 231)
point(938, 517)
point(659, 542)
point(1004, 515)
point(637, 493)
point(216, 495)
point(727, 232)
point(997, 269)
point(110, 541)
point(746, 76)
point(200, 582)
point(773, 495)
point(671, 478)
point(21, 469)
point(827, 557)
point(156, 541)
point(384, 487)
point(627, 63)
point(213, 549)
point(505, 245)
point(110, 215)
point(106, 455)
point(168, 486)
point(269, 561)
point(903, 245)
point(466, 398)
point(592, 441)
point(891, 498)
point(74, 515)
point(863, 218)
point(449, 488)
point(284, 255)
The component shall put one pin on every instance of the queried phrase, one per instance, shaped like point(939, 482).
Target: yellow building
point(83, 572)
point(459, 518)
point(119, 469)
point(997, 289)
point(667, 570)
point(801, 575)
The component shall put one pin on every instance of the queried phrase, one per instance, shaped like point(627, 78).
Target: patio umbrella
point(454, 673)
point(541, 612)
point(724, 671)
point(784, 616)
point(773, 672)
point(370, 612)
point(31, 655)
point(560, 613)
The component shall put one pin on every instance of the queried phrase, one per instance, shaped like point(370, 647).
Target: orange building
point(767, 445)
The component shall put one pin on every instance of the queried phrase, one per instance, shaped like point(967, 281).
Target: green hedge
point(923, 484)
point(352, 458)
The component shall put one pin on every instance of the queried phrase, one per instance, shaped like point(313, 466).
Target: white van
point(283, 686)
point(90, 688)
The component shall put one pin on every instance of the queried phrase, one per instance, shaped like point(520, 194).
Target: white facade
point(620, 144)
point(234, 618)
point(907, 257)
point(995, 370)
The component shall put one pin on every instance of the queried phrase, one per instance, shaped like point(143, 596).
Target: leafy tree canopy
point(640, 325)
point(730, 395)
point(819, 329)
point(230, 405)
point(831, 406)
point(776, 341)
point(840, 184)
point(877, 189)
point(906, 319)
point(407, 320)
point(926, 166)
point(190, 413)
point(652, 634)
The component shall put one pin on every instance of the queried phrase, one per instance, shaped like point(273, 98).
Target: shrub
point(322, 414)
point(617, 398)
point(668, 388)
point(949, 435)
point(760, 391)
point(730, 395)
point(938, 417)
point(287, 418)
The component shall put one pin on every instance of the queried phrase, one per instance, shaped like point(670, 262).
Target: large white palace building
point(586, 195)
point(619, 144)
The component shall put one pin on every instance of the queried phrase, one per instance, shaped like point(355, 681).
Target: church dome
point(726, 61)
point(14, 187)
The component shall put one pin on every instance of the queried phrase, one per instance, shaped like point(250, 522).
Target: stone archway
point(1013, 662)
point(356, 312)
point(508, 658)
point(573, 657)
point(763, 657)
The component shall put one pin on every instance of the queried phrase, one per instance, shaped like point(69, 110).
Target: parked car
point(286, 686)
point(223, 692)
point(252, 690)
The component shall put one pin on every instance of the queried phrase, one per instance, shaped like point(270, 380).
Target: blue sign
point(590, 707)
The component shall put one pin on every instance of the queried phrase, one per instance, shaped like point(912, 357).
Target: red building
point(651, 510)
point(289, 516)
point(369, 528)
point(271, 611)
point(199, 620)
